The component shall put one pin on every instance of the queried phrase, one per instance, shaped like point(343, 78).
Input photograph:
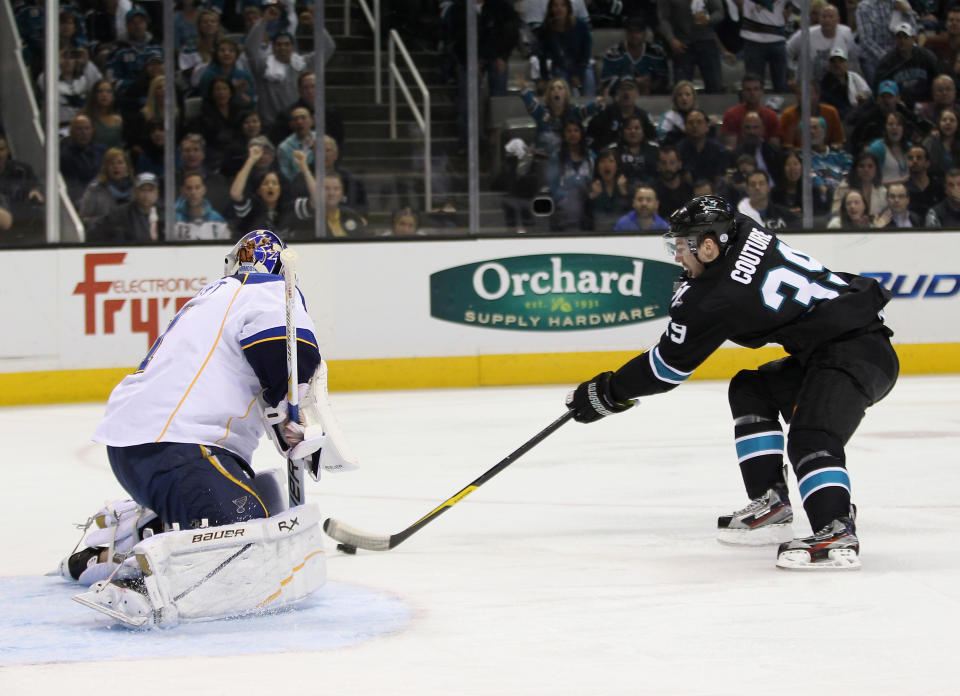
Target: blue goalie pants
point(188, 483)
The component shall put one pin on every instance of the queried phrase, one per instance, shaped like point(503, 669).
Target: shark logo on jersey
point(678, 295)
point(241, 504)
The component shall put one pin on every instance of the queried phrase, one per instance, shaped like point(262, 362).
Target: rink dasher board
point(75, 335)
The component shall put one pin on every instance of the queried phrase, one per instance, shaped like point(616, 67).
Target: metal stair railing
point(373, 19)
point(26, 130)
point(422, 119)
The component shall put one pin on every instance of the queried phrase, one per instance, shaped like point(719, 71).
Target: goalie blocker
point(250, 567)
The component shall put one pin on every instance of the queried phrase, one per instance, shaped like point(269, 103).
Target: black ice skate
point(766, 520)
point(835, 547)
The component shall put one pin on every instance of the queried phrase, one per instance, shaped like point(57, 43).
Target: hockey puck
point(347, 548)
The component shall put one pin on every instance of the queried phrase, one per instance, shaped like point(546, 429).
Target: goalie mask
point(256, 252)
point(702, 216)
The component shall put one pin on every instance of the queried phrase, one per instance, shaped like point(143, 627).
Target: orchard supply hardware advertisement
point(553, 292)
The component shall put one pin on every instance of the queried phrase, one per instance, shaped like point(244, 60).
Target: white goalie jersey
point(214, 402)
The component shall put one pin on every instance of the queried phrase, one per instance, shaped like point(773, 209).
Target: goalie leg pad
point(216, 572)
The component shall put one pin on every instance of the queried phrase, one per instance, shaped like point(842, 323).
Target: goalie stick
point(352, 536)
point(288, 258)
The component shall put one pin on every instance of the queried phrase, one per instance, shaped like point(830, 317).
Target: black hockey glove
point(592, 400)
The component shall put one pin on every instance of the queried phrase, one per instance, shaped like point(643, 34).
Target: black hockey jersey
point(761, 291)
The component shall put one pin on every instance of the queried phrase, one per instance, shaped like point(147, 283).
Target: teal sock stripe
point(822, 478)
point(759, 444)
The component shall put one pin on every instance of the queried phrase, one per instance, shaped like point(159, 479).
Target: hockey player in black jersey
point(741, 283)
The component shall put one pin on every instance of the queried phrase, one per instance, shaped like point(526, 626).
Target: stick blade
point(346, 534)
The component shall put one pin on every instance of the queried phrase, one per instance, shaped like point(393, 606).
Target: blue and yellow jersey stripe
point(279, 333)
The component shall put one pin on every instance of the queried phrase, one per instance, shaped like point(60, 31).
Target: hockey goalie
point(204, 536)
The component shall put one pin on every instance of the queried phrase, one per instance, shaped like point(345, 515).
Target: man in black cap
point(910, 66)
point(604, 128)
point(840, 87)
point(645, 60)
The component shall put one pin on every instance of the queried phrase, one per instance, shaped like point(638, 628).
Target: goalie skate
point(765, 521)
point(835, 547)
point(120, 601)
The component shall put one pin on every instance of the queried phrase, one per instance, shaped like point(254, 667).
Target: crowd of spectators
point(883, 103)
point(243, 122)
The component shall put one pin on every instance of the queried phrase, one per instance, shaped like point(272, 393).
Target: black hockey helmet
point(701, 216)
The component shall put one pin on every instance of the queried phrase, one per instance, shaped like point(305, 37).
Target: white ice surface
point(587, 567)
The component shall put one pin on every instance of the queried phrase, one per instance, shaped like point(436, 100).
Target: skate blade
point(837, 559)
point(89, 599)
point(762, 536)
point(61, 570)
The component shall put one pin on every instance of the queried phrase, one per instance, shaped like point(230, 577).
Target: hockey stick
point(353, 537)
point(288, 257)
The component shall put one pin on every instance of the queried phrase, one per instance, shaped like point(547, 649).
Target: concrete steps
point(406, 129)
point(392, 169)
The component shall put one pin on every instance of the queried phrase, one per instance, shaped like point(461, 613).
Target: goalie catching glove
point(315, 440)
point(593, 400)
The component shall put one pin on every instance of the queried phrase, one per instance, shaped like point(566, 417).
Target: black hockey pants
point(823, 400)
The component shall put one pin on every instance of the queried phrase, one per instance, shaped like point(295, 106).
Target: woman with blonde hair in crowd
point(198, 55)
point(555, 109)
point(101, 109)
point(671, 126)
point(549, 115)
point(152, 110)
point(153, 107)
point(112, 187)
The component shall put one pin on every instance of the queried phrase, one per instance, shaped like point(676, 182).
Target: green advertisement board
point(553, 292)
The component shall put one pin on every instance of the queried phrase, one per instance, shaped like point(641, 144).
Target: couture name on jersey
point(750, 256)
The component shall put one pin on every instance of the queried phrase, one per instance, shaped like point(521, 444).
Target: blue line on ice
point(39, 623)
